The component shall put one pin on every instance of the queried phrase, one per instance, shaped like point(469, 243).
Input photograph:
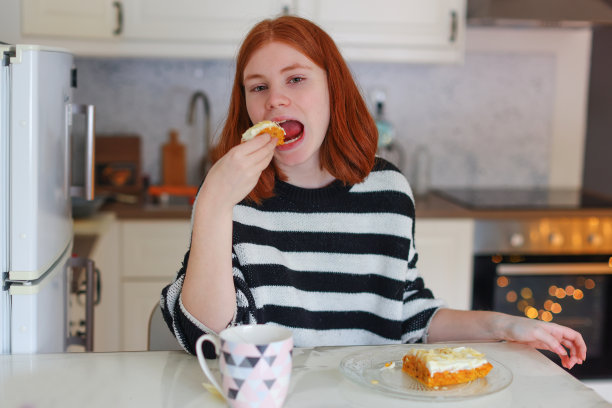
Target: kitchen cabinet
point(152, 253)
point(70, 18)
point(188, 20)
point(392, 30)
point(136, 259)
point(138, 299)
point(106, 318)
point(104, 230)
point(197, 20)
point(445, 248)
point(398, 30)
point(152, 28)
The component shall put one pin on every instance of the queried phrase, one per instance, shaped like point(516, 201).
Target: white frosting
point(449, 359)
point(257, 128)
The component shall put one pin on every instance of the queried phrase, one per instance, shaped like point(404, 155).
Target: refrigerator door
point(40, 213)
point(36, 228)
point(39, 310)
point(4, 166)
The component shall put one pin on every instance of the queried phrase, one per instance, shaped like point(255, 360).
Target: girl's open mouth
point(293, 130)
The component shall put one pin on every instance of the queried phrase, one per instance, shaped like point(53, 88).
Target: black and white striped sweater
point(336, 265)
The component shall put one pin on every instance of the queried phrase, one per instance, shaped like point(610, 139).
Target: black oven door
point(571, 290)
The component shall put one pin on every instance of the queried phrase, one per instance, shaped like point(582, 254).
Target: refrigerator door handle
point(87, 191)
point(78, 264)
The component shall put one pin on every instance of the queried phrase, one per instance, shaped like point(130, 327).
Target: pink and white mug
point(255, 364)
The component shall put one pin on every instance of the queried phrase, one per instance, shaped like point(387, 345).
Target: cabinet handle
point(119, 12)
point(454, 26)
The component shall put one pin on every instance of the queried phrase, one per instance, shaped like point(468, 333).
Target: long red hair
point(349, 147)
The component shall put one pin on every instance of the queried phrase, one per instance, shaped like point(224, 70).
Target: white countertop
point(174, 379)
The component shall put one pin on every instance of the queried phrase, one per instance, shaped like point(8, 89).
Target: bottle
point(386, 131)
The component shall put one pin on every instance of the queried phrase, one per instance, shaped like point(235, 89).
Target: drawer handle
point(119, 13)
point(454, 26)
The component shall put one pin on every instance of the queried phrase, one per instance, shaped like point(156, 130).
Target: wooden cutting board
point(118, 164)
point(173, 161)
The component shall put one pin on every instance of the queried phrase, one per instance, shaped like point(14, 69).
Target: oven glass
point(571, 290)
point(576, 301)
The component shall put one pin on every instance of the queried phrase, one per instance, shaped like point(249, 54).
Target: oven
point(556, 269)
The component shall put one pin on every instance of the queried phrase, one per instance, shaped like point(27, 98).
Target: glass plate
point(368, 368)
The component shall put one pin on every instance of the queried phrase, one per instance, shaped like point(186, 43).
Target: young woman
point(317, 234)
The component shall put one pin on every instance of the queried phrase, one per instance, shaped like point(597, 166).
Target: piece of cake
point(435, 367)
point(265, 126)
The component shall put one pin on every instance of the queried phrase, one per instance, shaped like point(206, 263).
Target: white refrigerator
point(36, 111)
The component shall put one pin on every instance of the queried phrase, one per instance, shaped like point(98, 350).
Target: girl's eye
point(296, 80)
point(258, 88)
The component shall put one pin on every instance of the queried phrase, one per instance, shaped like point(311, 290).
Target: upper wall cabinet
point(185, 20)
point(385, 30)
point(197, 20)
point(392, 30)
point(71, 18)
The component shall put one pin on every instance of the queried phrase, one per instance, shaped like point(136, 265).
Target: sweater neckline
point(327, 192)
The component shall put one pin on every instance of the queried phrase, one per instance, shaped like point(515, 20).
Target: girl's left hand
point(546, 336)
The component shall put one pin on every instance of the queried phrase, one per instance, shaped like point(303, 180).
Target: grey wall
point(486, 122)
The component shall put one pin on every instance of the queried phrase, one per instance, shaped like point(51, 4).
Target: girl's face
point(282, 84)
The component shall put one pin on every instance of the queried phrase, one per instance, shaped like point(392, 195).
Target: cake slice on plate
point(436, 367)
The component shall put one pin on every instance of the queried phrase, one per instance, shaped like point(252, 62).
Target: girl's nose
point(276, 99)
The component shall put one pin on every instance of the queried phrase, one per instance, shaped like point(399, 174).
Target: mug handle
point(198, 347)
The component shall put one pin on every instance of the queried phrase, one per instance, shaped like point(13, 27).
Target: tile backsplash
point(485, 123)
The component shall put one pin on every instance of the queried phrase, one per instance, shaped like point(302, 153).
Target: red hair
point(349, 147)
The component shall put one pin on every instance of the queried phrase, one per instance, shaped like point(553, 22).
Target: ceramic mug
point(255, 364)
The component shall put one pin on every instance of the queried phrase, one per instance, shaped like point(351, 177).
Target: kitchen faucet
point(206, 159)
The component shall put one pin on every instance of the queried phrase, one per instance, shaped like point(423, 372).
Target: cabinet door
point(69, 18)
point(197, 20)
point(139, 299)
point(154, 249)
point(107, 314)
point(401, 30)
point(445, 258)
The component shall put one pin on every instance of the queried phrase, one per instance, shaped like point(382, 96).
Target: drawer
point(153, 249)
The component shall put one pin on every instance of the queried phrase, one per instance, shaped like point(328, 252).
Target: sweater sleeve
point(184, 326)
point(420, 305)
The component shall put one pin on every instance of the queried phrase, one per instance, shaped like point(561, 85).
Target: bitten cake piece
point(436, 367)
point(265, 126)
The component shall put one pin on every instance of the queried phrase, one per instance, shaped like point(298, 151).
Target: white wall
point(10, 21)
point(571, 49)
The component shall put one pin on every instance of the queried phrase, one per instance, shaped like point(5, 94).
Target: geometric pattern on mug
point(256, 376)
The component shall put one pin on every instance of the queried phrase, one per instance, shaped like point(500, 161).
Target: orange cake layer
point(265, 126)
point(445, 366)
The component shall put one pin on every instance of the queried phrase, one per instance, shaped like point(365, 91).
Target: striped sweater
point(336, 265)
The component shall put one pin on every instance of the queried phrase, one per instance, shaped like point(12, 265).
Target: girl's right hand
point(233, 176)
